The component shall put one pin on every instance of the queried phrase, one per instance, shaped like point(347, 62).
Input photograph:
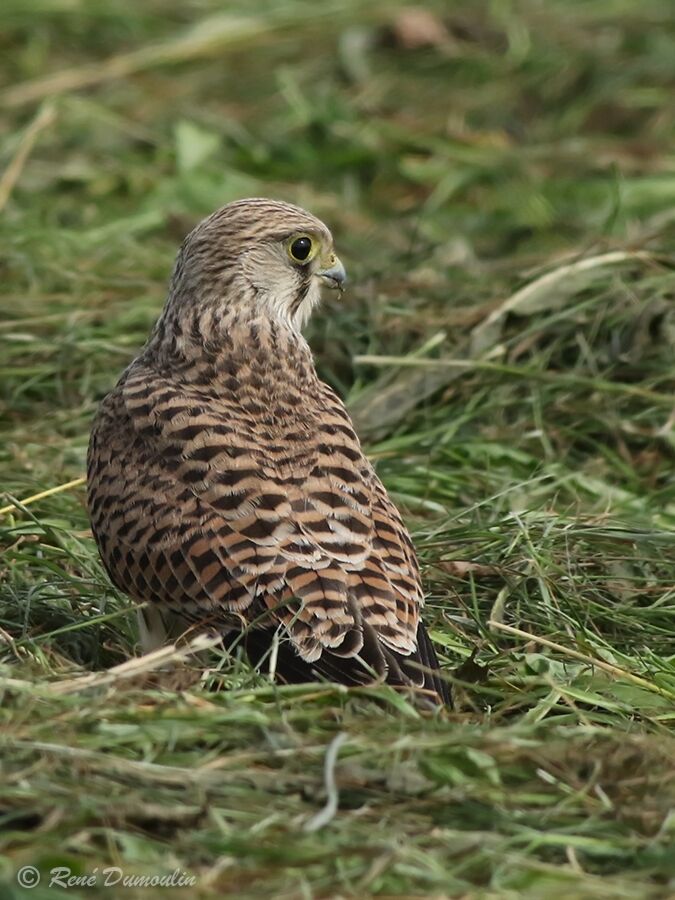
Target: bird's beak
point(334, 276)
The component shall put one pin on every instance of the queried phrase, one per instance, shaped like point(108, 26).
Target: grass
point(503, 199)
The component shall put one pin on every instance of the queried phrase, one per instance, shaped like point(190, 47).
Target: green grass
point(517, 401)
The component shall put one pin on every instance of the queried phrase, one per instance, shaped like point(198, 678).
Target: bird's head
point(258, 256)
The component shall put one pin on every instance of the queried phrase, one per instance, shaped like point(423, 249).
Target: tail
point(419, 670)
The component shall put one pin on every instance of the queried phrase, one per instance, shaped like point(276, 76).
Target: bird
point(226, 485)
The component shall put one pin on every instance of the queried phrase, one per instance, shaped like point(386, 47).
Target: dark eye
point(300, 249)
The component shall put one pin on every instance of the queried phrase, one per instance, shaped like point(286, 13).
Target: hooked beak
point(335, 276)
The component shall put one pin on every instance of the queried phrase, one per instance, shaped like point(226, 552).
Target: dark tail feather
point(426, 656)
point(291, 669)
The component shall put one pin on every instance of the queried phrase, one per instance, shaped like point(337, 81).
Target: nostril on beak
point(334, 276)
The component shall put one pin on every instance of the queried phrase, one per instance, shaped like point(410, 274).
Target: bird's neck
point(212, 344)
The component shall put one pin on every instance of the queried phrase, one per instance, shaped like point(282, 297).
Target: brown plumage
point(226, 484)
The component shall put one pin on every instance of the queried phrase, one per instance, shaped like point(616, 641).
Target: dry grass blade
point(548, 292)
point(41, 495)
point(45, 117)
point(563, 378)
point(205, 39)
point(595, 662)
point(324, 816)
point(140, 665)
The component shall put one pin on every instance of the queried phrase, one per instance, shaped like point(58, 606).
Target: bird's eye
point(301, 248)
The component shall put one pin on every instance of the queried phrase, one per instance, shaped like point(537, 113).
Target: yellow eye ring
point(302, 248)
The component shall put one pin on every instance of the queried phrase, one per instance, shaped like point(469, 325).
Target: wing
point(217, 507)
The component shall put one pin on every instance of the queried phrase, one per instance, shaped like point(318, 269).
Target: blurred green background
point(500, 180)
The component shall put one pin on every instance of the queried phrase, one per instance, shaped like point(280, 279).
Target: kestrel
point(227, 488)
